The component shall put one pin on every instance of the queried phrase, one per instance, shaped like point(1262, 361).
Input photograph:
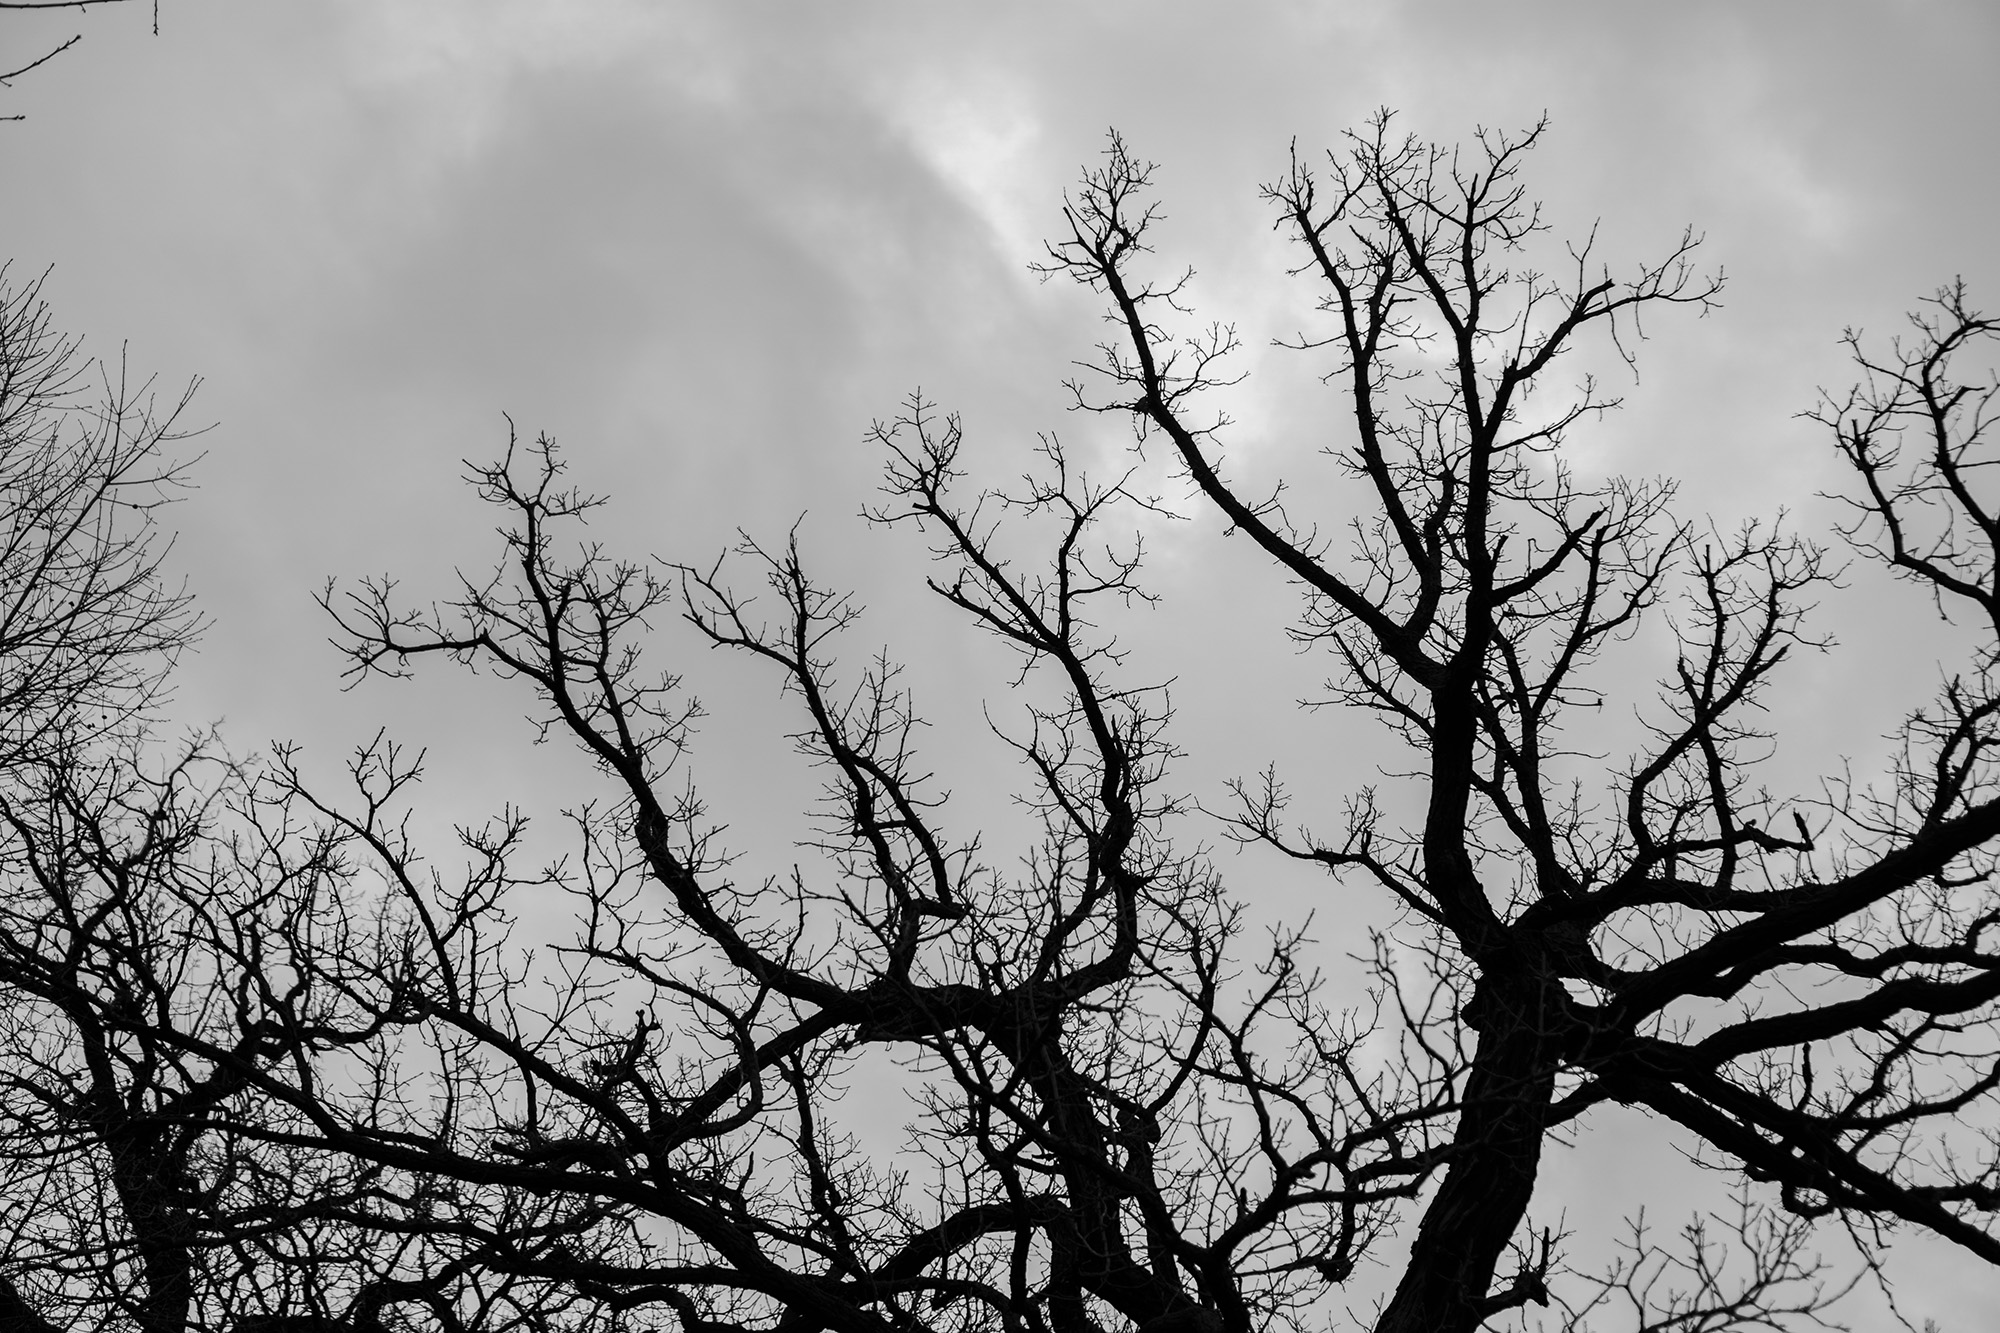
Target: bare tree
point(142, 898)
point(153, 933)
point(1123, 1113)
point(1651, 950)
point(89, 626)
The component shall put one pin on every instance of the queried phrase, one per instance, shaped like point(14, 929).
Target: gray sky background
point(704, 245)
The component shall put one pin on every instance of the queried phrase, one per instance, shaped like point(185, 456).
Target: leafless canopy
point(367, 1105)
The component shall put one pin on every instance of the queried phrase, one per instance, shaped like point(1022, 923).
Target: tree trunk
point(144, 1175)
point(1485, 1192)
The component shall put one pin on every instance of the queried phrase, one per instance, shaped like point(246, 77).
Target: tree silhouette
point(1124, 1112)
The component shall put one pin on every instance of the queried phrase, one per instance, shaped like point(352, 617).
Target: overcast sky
point(704, 245)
